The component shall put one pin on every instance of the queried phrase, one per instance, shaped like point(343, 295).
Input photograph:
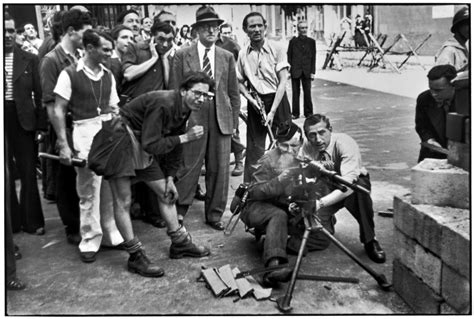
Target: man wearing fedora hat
point(454, 51)
point(219, 118)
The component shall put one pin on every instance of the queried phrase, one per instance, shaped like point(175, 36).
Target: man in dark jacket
point(302, 58)
point(20, 109)
point(432, 106)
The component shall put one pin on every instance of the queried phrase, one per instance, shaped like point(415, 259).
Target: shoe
point(272, 279)
point(188, 249)
point(156, 222)
point(73, 239)
point(15, 284)
point(200, 194)
point(375, 252)
point(238, 169)
point(140, 264)
point(88, 256)
point(216, 225)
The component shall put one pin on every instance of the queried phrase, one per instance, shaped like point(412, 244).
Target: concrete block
point(421, 298)
point(435, 182)
point(425, 224)
point(404, 249)
point(459, 154)
point(446, 309)
point(428, 268)
point(456, 290)
point(456, 246)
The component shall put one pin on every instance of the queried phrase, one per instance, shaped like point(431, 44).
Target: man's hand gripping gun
point(260, 108)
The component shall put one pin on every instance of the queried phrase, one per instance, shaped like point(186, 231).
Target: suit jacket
point(227, 99)
point(26, 80)
point(430, 122)
point(302, 57)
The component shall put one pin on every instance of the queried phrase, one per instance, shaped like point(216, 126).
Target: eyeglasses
point(210, 27)
point(206, 95)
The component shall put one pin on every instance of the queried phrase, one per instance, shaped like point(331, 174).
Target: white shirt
point(63, 85)
point(9, 76)
point(211, 55)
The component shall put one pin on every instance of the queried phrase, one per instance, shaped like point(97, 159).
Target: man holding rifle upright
point(263, 66)
point(323, 146)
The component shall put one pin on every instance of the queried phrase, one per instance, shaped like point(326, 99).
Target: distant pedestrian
point(302, 59)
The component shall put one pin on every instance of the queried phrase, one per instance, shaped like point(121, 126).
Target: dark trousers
point(26, 214)
point(236, 146)
point(9, 245)
point(308, 104)
point(273, 221)
point(257, 133)
point(62, 179)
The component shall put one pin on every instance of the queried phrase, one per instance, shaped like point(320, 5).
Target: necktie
point(206, 63)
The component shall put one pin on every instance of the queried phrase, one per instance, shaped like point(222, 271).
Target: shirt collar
point(82, 66)
point(201, 48)
point(265, 47)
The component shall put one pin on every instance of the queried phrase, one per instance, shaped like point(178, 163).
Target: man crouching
point(145, 144)
point(267, 203)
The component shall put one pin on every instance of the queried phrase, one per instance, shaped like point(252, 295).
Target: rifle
point(260, 108)
point(79, 162)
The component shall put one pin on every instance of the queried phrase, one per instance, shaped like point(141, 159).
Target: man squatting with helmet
point(158, 122)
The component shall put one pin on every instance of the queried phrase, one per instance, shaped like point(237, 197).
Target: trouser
point(95, 197)
point(10, 261)
point(273, 220)
point(236, 145)
point(27, 212)
point(257, 133)
point(214, 149)
point(308, 104)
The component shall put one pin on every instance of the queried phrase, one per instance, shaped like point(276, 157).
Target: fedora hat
point(206, 14)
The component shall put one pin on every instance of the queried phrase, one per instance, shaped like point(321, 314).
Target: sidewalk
point(410, 82)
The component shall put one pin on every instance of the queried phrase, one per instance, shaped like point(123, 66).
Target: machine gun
point(305, 201)
point(260, 108)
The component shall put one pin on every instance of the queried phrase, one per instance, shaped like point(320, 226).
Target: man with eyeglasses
point(219, 118)
point(267, 204)
point(153, 125)
point(226, 42)
point(262, 68)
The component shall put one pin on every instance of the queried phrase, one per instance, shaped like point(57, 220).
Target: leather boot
point(281, 275)
point(140, 264)
point(183, 246)
point(239, 166)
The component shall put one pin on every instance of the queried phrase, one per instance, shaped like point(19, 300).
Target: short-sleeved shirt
point(261, 67)
point(345, 154)
point(151, 80)
point(64, 85)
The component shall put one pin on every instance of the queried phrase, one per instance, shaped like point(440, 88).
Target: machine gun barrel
point(79, 162)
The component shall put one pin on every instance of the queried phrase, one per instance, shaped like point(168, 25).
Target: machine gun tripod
point(306, 204)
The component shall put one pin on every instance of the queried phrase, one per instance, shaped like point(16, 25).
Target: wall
point(415, 22)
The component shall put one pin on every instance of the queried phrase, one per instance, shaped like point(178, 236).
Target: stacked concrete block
point(436, 182)
point(431, 268)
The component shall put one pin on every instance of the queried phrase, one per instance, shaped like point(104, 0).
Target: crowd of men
point(148, 107)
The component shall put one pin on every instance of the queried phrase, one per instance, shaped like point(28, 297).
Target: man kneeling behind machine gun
point(269, 196)
point(266, 208)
